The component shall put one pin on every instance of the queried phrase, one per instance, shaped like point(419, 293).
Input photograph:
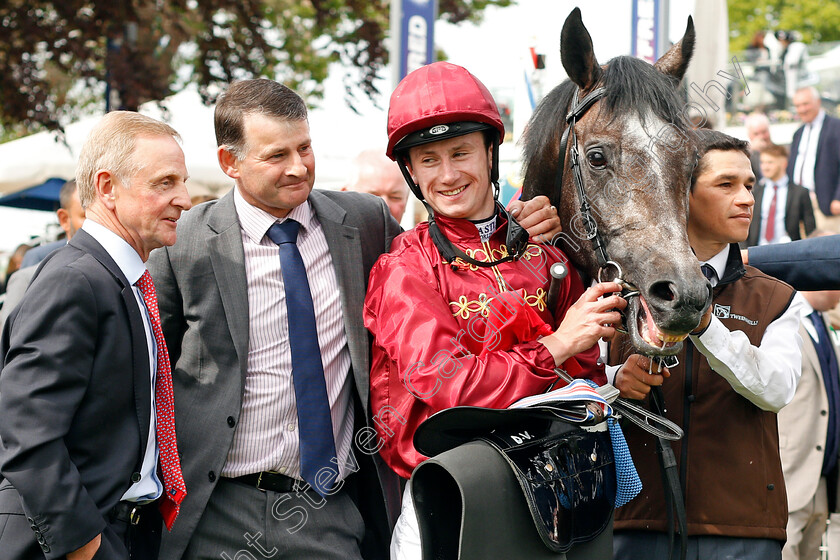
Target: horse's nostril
point(663, 291)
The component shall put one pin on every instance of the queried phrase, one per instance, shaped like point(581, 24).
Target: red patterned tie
point(770, 228)
point(170, 464)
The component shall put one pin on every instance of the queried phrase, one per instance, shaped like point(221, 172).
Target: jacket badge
point(725, 312)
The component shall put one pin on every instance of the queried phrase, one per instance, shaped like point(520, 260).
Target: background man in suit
point(230, 305)
point(758, 134)
point(70, 218)
point(375, 174)
point(815, 157)
point(781, 207)
point(809, 432)
point(85, 390)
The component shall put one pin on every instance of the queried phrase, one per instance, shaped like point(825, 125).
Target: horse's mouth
point(645, 335)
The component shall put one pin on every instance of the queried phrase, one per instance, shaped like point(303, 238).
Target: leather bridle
point(578, 109)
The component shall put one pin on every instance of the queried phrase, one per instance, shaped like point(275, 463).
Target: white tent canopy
point(338, 135)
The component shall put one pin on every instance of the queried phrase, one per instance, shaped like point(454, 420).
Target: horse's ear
point(577, 53)
point(674, 63)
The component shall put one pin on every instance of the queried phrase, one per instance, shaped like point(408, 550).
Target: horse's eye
point(596, 159)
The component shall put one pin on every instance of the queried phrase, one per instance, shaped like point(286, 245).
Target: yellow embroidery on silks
point(532, 251)
point(480, 254)
point(537, 300)
point(465, 308)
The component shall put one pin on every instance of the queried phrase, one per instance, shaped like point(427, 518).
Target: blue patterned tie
point(709, 272)
point(317, 445)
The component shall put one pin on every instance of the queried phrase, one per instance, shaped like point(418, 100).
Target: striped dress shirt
point(266, 438)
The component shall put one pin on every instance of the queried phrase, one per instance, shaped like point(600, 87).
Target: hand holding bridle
point(637, 375)
point(586, 321)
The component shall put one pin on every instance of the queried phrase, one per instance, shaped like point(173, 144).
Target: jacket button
point(823, 412)
point(231, 421)
point(819, 448)
point(135, 477)
point(211, 476)
point(771, 486)
point(691, 398)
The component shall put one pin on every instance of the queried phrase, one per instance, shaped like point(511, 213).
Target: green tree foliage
point(56, 56)
point(817, 20)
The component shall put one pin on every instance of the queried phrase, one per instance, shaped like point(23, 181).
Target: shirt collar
point(818, 120)
point(127, 259)
point(782, 183)
point(256, 221)
point(806, 306)
point(718, 262)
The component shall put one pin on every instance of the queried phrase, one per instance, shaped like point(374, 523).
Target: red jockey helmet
point(436, 102)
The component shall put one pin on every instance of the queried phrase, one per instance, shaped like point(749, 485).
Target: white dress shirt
point(266, 437)
point(766, 375)
point(132, 266)
point(806, 153)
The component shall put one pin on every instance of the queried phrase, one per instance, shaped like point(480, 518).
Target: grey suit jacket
point(75, 399)
point(802, 429)
point(202, 294)
point(18, 282)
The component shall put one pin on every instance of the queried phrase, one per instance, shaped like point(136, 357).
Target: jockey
point(458, 309)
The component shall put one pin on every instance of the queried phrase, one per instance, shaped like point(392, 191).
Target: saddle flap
point(568, 477)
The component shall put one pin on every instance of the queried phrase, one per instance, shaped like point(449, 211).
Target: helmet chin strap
point(516, 239)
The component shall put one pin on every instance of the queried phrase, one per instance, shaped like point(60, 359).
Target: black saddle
point(513, 483)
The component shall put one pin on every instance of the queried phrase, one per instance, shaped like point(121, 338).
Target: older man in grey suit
point(263, 280)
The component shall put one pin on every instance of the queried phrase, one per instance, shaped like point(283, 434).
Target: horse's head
point(636, 155)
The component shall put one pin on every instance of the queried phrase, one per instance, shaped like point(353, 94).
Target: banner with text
point(417, 31)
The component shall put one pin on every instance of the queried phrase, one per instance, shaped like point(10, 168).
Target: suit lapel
point(822, 140)
point(227, 257)
point(755, 225)
point(346, 250)
point(790, 215)
point(794, 151)
point(139, 350)
point(809, 352)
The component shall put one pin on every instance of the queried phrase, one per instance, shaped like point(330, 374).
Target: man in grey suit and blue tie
point(278, 449)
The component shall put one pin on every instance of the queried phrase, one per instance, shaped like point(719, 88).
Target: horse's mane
point(632, 85)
